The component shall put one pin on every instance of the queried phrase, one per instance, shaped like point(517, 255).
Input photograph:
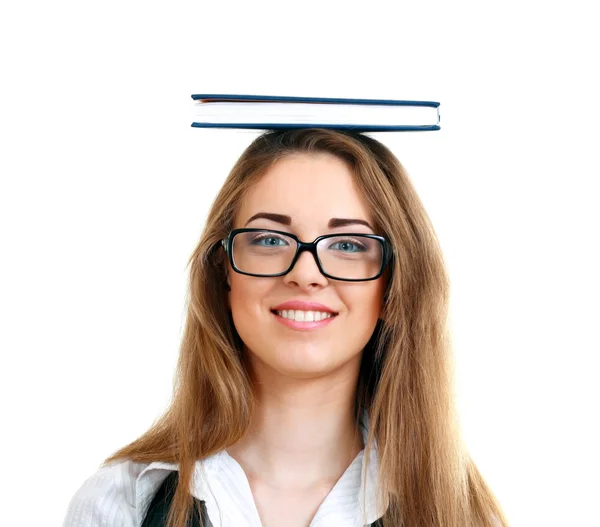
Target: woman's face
point(310, 189)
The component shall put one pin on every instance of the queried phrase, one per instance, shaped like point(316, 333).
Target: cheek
point(247, 297)
point(364, 310)
point(364, 301)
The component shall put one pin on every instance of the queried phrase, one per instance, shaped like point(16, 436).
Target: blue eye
point(270, 239)
point(346, 244)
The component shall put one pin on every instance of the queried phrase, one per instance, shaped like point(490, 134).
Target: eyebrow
point(287, 220)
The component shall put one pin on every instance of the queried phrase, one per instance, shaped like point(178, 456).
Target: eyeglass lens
point(344, 256)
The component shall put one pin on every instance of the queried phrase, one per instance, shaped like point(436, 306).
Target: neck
point(303, 432)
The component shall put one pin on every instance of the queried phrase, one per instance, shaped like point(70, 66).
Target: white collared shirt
point(119, 494)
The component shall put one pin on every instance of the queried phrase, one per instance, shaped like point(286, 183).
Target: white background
point(105, 188)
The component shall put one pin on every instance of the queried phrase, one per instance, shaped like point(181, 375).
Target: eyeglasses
point(349, 256)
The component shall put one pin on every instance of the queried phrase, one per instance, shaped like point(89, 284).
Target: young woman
point(314, 384)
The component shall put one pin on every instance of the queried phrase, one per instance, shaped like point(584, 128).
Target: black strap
point(159, 508)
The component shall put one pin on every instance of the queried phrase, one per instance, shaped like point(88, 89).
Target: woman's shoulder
point(116, 495)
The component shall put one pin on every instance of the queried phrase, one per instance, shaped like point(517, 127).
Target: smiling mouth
point(303, 316)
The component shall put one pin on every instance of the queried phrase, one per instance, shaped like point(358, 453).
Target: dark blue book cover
point(265, 112)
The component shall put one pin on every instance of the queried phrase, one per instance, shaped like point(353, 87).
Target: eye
point(348, 245)
point(271, 240)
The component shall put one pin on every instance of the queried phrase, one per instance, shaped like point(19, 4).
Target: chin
point(305, 361)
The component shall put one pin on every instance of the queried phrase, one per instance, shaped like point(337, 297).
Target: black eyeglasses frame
point(387, 257)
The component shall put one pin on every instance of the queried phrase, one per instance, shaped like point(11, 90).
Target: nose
point(305, 271)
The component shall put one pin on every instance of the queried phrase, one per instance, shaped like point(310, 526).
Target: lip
point(304, 326)
point(302, 305)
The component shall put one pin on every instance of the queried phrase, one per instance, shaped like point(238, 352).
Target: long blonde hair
point(405, 386)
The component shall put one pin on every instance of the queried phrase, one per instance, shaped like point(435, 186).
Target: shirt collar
point(147, 484)
point(220, 482)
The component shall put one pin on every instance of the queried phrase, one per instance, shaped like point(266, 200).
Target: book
point(266, 112)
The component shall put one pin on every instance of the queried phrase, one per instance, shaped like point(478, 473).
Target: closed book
point(266, 112)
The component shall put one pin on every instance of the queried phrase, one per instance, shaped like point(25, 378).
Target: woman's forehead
point(309, 188)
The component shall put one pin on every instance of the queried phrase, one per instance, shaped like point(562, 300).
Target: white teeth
point(304, 316)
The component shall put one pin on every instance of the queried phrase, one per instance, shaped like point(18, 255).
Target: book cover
point(280, 112)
